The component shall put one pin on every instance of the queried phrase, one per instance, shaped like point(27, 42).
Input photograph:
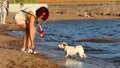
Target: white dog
point(72, 51)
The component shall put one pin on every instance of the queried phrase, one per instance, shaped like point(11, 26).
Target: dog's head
point(62, 45)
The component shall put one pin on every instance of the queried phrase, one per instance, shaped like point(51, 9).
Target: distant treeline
point(59, 1)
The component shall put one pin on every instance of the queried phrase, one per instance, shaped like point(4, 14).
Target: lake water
point(99, 54)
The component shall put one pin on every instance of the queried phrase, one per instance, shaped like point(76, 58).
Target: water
point(108, 54)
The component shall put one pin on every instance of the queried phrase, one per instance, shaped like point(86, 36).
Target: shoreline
point(82, 18)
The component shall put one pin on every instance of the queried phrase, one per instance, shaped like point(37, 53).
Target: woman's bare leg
point(24, 40)
point(24, 27)
point(26, 37)
point(31, 41)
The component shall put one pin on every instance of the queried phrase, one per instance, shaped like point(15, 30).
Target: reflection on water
point(72, 31)
point(77, 64)
point(73, 64)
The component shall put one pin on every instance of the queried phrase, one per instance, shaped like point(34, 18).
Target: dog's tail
point(81, 51)
point(80, 48)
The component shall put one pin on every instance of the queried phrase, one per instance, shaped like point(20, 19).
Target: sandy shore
point(11, 57)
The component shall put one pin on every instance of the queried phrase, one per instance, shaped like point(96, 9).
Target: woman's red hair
point(42, 10)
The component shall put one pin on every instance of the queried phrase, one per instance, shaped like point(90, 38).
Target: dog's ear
point(64, 45)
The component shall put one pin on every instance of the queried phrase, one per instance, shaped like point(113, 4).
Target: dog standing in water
point(72, 51)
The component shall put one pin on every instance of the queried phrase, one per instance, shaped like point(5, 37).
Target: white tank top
point(23, 15)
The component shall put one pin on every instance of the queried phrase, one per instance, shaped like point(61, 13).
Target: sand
point(11, 57)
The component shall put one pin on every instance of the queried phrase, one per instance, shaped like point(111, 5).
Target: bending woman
point(26, 19)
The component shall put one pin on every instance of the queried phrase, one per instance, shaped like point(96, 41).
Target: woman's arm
point(40, 29)
point(39, 25)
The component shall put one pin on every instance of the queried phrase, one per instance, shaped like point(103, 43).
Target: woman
point(26, 20)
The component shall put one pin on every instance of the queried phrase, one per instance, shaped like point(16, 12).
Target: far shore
point(65, 17)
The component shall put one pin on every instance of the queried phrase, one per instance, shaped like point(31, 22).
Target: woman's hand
point(41, 33)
